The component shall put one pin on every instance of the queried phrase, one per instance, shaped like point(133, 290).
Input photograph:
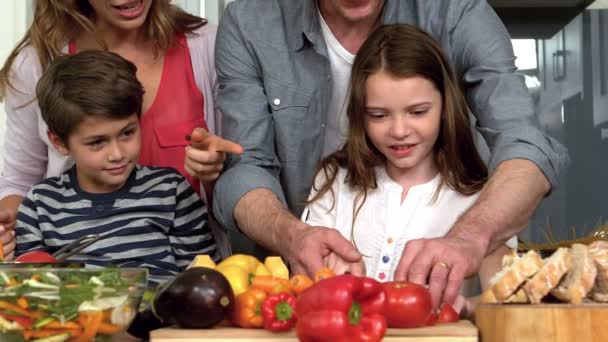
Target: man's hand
point(206, 154)
point(309, 246)
point(444, 262)
point(7, 233)
point(341, 266)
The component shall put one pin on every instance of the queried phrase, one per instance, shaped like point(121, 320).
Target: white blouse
point(384, 223)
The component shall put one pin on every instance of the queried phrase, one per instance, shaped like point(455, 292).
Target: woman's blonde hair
point(405, 51)
point(58, 21)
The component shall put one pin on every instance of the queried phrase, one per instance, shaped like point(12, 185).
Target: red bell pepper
point(279, 313)
point(25, 322)
point(340, 309)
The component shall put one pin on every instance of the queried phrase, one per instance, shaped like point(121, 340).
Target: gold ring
point(441, 263)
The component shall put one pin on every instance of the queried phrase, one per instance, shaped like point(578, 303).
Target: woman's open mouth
point(131, 9)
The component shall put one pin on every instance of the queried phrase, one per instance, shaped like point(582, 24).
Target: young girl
point(409, 167)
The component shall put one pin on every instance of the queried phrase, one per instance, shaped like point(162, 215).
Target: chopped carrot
point(91, 322)
point(22, 302)
point(29, 334)
point(66, 325)
point(1, 251)
point(271, 284)
point(109, 328)
point(17, 309)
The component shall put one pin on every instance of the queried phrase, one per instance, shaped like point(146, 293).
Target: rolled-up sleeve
point(246, 120)
point(498, 97)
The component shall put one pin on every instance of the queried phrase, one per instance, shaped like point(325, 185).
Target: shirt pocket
point(174, 135)
point(289, 107)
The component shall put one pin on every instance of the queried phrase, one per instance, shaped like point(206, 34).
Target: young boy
point(146, 216)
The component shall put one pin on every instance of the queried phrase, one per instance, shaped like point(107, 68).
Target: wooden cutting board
point(542, 323)
point(463, 331)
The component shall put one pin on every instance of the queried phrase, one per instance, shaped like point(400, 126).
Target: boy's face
point(105, 151)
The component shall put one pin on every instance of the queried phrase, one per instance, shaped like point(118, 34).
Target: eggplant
point(197, 298)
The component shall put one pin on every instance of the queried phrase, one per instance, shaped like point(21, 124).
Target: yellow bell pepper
point(238, 278)
point(277, 267)
point(239, 269)
point(203, 260)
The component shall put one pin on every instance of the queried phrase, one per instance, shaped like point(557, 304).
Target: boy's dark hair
point(90, 83)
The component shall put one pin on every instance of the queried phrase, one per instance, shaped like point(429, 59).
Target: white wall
point(13, 23)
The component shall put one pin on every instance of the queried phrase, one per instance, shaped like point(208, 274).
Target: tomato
point(36, 257)
point(408, 305)
point(432, 319)
point(447, 314)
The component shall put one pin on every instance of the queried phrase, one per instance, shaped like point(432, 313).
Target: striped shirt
point(155, 221)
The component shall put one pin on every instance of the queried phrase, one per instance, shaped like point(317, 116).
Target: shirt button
point(276, 102)
point(99, 207)
point(385, 259)
point(389, 240)
point(382, 276)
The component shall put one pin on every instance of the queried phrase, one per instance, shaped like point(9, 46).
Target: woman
point(173, 52)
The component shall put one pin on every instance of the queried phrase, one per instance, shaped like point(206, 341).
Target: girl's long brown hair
point(405, 51)
point(57, 21)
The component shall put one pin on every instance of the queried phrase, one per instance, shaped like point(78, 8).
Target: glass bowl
point(64, 304)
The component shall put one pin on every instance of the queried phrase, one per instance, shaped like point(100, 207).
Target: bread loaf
point(599, 252)
point(507, 282)
point(579, 279)
point(548, 276)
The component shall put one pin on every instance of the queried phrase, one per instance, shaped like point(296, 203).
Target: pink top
point(176, 110)
point(29, 157)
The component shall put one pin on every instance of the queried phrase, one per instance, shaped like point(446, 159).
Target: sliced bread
point(599, 253)
point(548, 276)
point(579, 279)
point(506, 282)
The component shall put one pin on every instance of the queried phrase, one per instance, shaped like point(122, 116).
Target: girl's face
point(402, 120)
point(125, 15)
point(105, 151)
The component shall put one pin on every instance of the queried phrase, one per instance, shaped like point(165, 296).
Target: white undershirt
point(341, 62)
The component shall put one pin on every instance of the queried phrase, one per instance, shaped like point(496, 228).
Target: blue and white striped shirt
point(155, 221)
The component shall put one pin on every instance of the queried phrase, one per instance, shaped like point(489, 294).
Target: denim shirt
point(275, 87)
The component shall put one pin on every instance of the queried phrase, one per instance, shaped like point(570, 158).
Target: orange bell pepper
point(300, 282)
point(324, 273)
point(248, 308)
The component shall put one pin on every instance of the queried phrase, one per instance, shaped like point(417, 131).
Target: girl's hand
point(206, 154)
point(340, 266)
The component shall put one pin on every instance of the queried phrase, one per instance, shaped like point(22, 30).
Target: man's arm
point(247, 121)
point(505, 205)
point(267, 221)
point(525, 162)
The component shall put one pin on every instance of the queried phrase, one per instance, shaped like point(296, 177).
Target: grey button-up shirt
point(275, 88)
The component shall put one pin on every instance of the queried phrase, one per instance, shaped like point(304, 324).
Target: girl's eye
point(419, 112)
point(376, 115)
point(129, 132)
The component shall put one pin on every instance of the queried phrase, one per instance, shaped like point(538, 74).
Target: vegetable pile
point(67, 305)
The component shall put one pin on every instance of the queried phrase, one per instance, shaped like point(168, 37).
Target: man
point(283, 68)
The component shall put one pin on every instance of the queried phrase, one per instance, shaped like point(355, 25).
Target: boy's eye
point(94, 143)
point(129, 132)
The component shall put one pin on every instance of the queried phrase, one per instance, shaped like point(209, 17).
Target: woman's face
point(124, 15)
